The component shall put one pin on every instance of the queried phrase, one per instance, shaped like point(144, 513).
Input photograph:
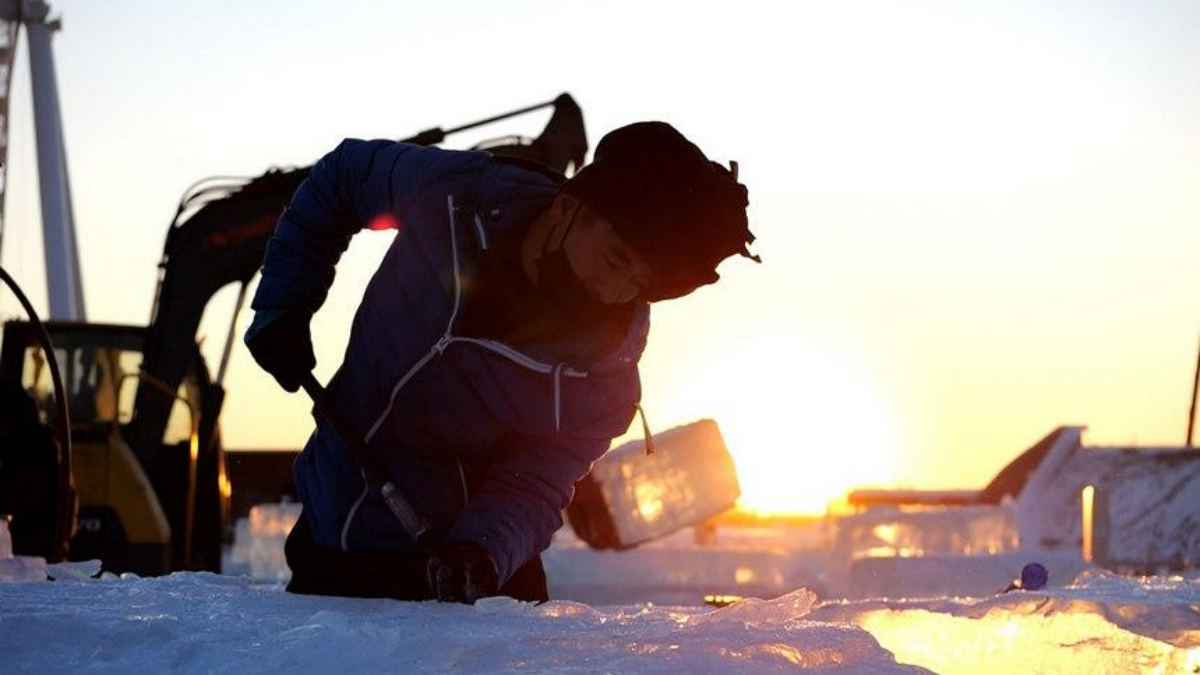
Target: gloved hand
point(281, 343)
point(462, 572)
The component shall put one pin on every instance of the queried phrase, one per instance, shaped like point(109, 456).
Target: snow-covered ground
point(884, 614)
point(882, 591)
point(205, 623)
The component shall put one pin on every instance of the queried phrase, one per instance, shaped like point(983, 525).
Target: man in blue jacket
point(494, 355)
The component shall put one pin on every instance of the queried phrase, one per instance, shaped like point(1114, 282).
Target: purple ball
point(1034, 577)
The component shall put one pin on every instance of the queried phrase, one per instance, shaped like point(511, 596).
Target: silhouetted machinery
point(148, 461)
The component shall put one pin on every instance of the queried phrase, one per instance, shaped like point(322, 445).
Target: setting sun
point(803, 423)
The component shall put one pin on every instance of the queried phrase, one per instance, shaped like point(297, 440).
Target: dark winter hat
point(682, 212)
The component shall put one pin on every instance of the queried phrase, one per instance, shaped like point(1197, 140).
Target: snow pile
point(258, 542)
point(190, 622)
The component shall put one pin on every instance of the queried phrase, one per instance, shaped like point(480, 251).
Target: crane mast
point(64, 282)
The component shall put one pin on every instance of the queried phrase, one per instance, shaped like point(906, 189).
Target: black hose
point(62, 430)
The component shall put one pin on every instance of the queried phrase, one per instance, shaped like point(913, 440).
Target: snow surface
point(190, 622)
point(866, 612)
point(199, 622)
point(882, 591)
point(1100, 623)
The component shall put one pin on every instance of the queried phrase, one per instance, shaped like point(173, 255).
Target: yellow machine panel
point(108, 475)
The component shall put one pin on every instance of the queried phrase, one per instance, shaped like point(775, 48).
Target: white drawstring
point(353, 510)
point(645, 430)
point(558, 397)
point(454, 253)
point(462, 477)
point(483, 242)
point(440, 346)
point(517, 357)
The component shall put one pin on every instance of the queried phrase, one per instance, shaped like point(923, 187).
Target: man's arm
point(519, 505)
point(360, 184)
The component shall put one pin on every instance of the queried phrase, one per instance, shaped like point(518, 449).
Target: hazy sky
point(979, 220)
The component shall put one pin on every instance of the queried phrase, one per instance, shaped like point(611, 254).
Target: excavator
point(147, 459)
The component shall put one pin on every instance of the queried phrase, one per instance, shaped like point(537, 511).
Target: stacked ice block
point(21, 567)
point(258, 542)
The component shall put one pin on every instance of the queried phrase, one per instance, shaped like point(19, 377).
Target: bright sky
point(979, 220)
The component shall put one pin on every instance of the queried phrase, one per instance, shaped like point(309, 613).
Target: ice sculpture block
point(632, 496)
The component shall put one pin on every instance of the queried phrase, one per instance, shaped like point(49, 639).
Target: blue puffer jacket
point(486, 441)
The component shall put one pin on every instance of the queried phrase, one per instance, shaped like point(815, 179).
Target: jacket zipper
point(439, 348)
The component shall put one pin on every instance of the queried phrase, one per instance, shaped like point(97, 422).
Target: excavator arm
point(220, 243)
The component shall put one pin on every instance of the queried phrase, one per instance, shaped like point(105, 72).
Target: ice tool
point(413, 522)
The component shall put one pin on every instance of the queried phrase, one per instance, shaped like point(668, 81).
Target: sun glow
point(802, 423)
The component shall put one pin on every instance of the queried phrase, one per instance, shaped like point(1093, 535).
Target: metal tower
point(63, 276)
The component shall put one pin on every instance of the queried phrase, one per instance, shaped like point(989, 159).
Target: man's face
point(607, 266)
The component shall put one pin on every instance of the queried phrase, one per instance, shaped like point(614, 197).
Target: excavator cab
point(150, 515)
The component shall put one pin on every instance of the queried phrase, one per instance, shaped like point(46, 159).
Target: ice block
point(631, 497)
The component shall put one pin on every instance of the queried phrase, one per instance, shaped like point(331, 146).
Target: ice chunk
point(677, 571)
point(22, 568)
point(961, 530)
point(755, 611)
point(6, 550)
point(74, 571)
point(258, 542)
point(631, 497)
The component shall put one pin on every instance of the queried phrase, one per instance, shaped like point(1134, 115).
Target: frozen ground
point(875, 592)
point(205, 623)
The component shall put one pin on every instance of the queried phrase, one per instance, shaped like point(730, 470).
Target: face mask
point(562, 287)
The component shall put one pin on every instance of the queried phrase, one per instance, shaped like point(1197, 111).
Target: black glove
point(462, 573)
point(281, 342)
